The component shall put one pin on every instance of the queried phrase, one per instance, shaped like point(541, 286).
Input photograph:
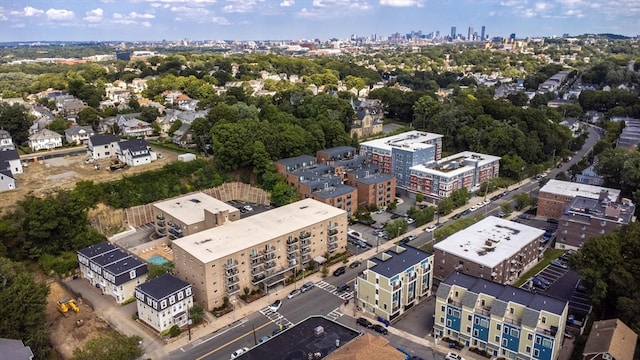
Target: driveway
point(119, 317)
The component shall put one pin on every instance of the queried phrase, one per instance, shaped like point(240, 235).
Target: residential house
point(573, 125)
point(6, 142)
point(10, 160)
point(493, 248)
point(112, 270)
point(45, 139)
point(11, 349)
point(273, 245)
point(135, 152)
point(589, 176)
point(138, 85)
point(395, 281)
point(102, 146)
point(79, 135)
point(70, 107)
point(184, 136)
point(43, 117)
point(610, 340)
point(7, 180)
point(503, 320)
point(630, 136)
point(164, 302)
point(131, 127)
point(555, 195)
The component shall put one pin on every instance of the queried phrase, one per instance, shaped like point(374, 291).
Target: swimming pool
point(158, 260)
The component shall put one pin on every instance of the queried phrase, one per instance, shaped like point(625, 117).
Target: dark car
point(279, 330)
point(466, 212)
point(343, 287)
point(456, 216)
point(395, 216)
point(364, 322)
point(552, 221)
point(339, 271)
point(380, 329)
point(354, 264)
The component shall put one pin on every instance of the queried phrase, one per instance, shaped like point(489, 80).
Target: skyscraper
point(470, 34)
point(453, 33)
point(482, 34)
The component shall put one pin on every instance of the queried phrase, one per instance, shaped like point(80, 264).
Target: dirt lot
point(66, 334)
point(64, 172)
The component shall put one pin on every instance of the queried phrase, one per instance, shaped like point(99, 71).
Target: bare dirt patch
point(66, 333)
point(43, 177)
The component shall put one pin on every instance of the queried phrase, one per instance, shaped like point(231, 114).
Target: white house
point(133, 127)
point(10, 160)
point(164, 301)
point(6, 142)
point(78, 134)
point(45, 139)
point(135, 152)
point(102, 146)
point(7, 180)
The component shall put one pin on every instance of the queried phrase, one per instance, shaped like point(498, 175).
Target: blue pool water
point(158, 260)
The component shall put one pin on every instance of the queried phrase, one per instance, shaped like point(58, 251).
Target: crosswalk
point(335, 314)
point(275, 317)
point(344, 295)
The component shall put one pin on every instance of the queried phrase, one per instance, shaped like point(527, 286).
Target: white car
point(479, 205)
point(248, 208)
point(293, 293)
point(473, 208)
point(275, 306)
point(239, 352)
point(453, 356)
point(430, 228)
point(486, 201)
point(409, 220)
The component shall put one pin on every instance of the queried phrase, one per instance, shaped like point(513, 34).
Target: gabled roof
point(44, 134)
point(7, 173)
point(97, 249)
point(8, 155)
point(134, 145)
point(77, 129)
point(97, 140)
point(162, 286)
point(4, 134)
point(611, 336)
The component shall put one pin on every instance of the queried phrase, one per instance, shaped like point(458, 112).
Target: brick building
point(555, 195)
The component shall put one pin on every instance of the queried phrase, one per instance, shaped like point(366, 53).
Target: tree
point(157, 270)
point(174, 127)
point(423, 110)
point(88, 116)
point(59, 125)
point(283, 194)
point(110, 346)
point(15, 120)
point(196, 313)
point(446, 206)
point(148, 114)
point(396, 227)
point(460, 197)
point(506, 208)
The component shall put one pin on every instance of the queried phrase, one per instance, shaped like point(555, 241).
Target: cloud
point(31, 11)
point(95, 15)
point(402, 3)
point(135, 15)
point(323, 9)
point(146, 24)
point(287, 3)
point(220, 20)
point(240, 6)
point(60, 14)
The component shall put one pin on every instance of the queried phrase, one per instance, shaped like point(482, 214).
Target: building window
point(528, 349)
point(504, 342)
point(498, 327)
point(475, 333)
point(497, 338)
point(469, 317)
point(536, 353)
point(529, 337)
point(515, 333)
point(448, 323)
point(544, 319)
point(442, 308)
point(468, 329)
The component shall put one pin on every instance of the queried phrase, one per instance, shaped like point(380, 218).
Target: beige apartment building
point(260, 251)
point(189, 214)
point(395, 281)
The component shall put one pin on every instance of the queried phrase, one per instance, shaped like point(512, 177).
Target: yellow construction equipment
point(67, 304)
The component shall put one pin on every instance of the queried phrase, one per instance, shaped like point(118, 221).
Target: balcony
point(176, 233)
point(231, 265)
point(484, 311)
point(232, 271)
point(332, 239)
point(333, 226)
point(160, 222)
point(269, 265)
point(233, 289)
point(257, 270)
point(333, 232)
point(232, 280)
point(305, 235)
point(160, 217)
point(162, 231)
point(269, 256)
point(292, 241)
point(269, 250)
point(333, 247)
point(511, 321)
point(306, 250)
point(292, 256)
point(397, 287)
point(306, 258)
point(292, 248)
point(452, 302)
point(254, 255)
point(551, 331)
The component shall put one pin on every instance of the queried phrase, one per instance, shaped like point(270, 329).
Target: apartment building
point(112, 270)
point(584, 218)
point(395, 281)
point(189, 214)
point(398, 153)
point(493, 248)
point(503, 320)
point(555, 195)
point(438, 179)
point(164, 302)
point(260, 251)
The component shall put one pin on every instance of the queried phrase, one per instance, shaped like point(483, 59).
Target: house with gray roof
point(135, 152)
point(11, 349)
point(78, 135)
point(164, 302)
point(6, 142)
point(7, 180)
point(502, 320)
point(45, 139)
point(10, 160)
point(102, 146)
point(394, 281)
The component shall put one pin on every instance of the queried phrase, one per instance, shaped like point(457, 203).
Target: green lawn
point(549, 255)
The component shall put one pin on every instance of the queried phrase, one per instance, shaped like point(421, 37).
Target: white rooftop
point(571, 189)
point(189, 209)
point(454, 165)
point(410, 140)
point(232, 237)
point(507, 239)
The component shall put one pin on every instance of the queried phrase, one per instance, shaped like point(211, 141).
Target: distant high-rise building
point(482, 34)
point(123, 55)
point(512, 36)
point(470, 34)
point(453, 32)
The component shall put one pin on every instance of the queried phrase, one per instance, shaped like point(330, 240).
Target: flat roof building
point(503, 320)
point(191, 213)
point(555, 195)
point(258, 251)
point(493, 248)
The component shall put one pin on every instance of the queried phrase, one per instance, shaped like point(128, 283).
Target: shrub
point(174, 331)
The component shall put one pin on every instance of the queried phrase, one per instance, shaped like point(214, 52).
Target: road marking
point(234, 340)
point(335, 314)
point(346, 295)
point(275, 317)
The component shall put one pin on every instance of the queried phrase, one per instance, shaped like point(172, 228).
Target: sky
point(154, 20)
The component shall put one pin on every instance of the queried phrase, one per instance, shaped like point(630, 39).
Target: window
point(442, 308)
point(498, 327)
point(506, 330)
point(468, 329)
point(529, 337)
point(544, 319)
point(475, 333)
point(512, 310)
point(497, 338)
point(448, 323)
point(504, 342)
point(536, 353)
point(528, 349)
point(515, 333)
point(441, 320)
point(469, 317)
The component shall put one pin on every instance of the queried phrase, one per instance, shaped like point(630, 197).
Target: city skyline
point(155, 20)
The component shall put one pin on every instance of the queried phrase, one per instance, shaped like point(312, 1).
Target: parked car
point(453, 356)
point(307, 286)
point(559, 263)
point(380, 329)
point(239, 352)
point(339, 271)
point(263, 339)
point(354, 264)
point(543, 280)
point(294, 293)
point(343, 287)
point(552, 221)
point(364, 322)
point(537, 283)
point(275, 306)
point(473, 208)
point(501, 214)
point(409, 220)
point(466, 212)
point(248, 208)
point(486, 202)
point(457, 216)
point(430, 228)
point(279, 330)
